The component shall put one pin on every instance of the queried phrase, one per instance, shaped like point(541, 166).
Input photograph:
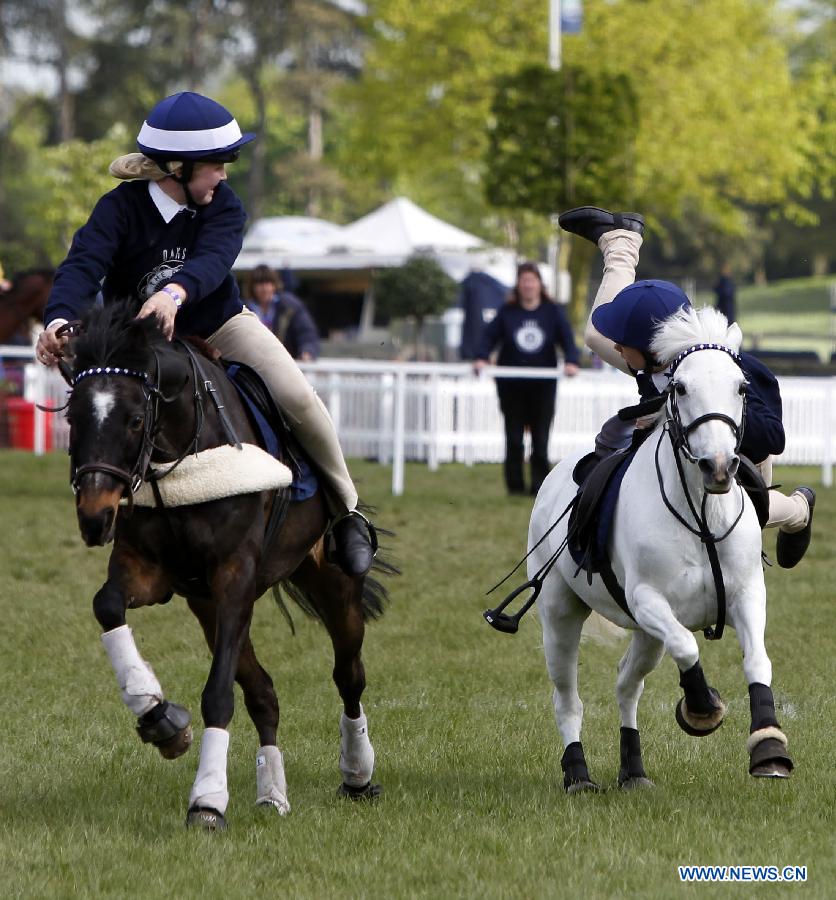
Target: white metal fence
point(437, 413)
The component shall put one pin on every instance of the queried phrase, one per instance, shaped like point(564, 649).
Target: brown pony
point(25, 299)
point(140, 405)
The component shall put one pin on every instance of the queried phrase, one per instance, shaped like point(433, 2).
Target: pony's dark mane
point(112, 336)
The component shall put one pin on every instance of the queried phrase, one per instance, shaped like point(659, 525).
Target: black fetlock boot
point(351, 543)
point(591, 222)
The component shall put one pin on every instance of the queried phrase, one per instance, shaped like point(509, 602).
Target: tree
point(414, 122)
point(417, 289)
point(559, 140)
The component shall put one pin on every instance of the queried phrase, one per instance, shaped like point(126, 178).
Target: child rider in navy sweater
point(620, 328)
point(167, 239)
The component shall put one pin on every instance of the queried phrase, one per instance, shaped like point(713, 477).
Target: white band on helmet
point(209, 139)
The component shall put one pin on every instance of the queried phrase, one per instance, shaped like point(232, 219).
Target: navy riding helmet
point(632, 316)
point(191, 127)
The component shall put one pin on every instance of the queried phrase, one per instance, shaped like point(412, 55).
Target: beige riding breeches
point(621, 256)
point(245, 339)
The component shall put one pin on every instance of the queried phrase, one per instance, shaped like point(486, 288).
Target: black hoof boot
point(591, 222)
point(699, 726)
point(168, 727)
point(768, 757)
point(369, 792)
point(352, 543)
point(791, 547)
point(576, 778)
point(631, 775)
point(205, 818)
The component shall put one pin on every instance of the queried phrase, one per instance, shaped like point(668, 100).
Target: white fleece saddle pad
point(216, 473)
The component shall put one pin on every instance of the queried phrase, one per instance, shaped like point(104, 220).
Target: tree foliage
point(560, 139)
point(417, 289)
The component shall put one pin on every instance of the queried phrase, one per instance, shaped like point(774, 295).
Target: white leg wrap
point(356, 751)
point(140, 689)
point(209, 787)
point(270, 784)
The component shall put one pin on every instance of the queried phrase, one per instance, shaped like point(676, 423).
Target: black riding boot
point(352, 543)
point(591, 222)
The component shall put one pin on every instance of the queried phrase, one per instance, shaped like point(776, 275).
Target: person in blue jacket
point(283, 313)
point(526, 330)
point(624, 317)
point(166, 240)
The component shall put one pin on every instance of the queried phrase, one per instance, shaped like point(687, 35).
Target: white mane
point(690, 326)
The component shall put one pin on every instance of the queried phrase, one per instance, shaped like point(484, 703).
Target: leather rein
point(679, 434)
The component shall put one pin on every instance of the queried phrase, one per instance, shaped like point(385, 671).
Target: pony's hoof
point(769, 759)
point(369, 792)
point(177, 745)
point(636, 783)
point(773, 769)
point(699, 726)
point(282, 807)
point(168, 726)
point(205, 818)
point(582, 787)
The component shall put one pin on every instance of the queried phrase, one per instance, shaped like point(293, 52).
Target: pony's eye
point(680, 389)
point(742, 389)
point(136, 423)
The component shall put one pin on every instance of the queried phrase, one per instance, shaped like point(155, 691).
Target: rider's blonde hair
point(134, 166)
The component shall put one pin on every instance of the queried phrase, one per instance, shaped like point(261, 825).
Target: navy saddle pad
point(272, 431)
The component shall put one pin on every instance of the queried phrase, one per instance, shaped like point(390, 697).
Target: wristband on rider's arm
point(175, 295)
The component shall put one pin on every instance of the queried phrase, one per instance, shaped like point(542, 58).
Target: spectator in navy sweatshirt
point(283, 313)
point(166, 240)
point(526, 329)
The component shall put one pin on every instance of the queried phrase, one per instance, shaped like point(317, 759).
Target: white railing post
point(335, 399)
point(829, 428)
point(432, 442)
point(399, 436)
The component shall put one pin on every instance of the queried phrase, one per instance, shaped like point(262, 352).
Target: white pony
point(679, 502)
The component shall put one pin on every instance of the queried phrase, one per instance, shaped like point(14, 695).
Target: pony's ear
point(734, 337)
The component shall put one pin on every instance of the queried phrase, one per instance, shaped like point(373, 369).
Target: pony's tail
point(374, 597)
point(601, 631)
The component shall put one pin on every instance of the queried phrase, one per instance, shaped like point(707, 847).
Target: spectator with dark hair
point(283, 313)
point(526, 330)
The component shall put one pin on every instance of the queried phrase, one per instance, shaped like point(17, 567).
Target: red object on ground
point(21, 419)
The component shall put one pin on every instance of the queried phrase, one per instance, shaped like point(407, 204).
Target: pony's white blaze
point(103, 402)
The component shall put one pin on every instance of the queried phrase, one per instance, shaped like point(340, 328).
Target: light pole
point(554, 63)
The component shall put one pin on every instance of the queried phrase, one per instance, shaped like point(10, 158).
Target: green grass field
point(460, 717)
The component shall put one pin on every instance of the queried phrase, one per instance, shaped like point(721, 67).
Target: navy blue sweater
point(127, 243)
point(528, 337)
point(763, 431)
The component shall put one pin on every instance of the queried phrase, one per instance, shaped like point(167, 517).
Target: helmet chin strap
point(183, 179)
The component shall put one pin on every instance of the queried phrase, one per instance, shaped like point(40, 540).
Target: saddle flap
point(594, 507)
point(272, 429)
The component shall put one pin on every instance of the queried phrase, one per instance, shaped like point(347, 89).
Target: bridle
point(132, 478)
point(679, 434)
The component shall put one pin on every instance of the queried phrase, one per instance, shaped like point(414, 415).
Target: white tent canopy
point(385, 237)
point(400, 226)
